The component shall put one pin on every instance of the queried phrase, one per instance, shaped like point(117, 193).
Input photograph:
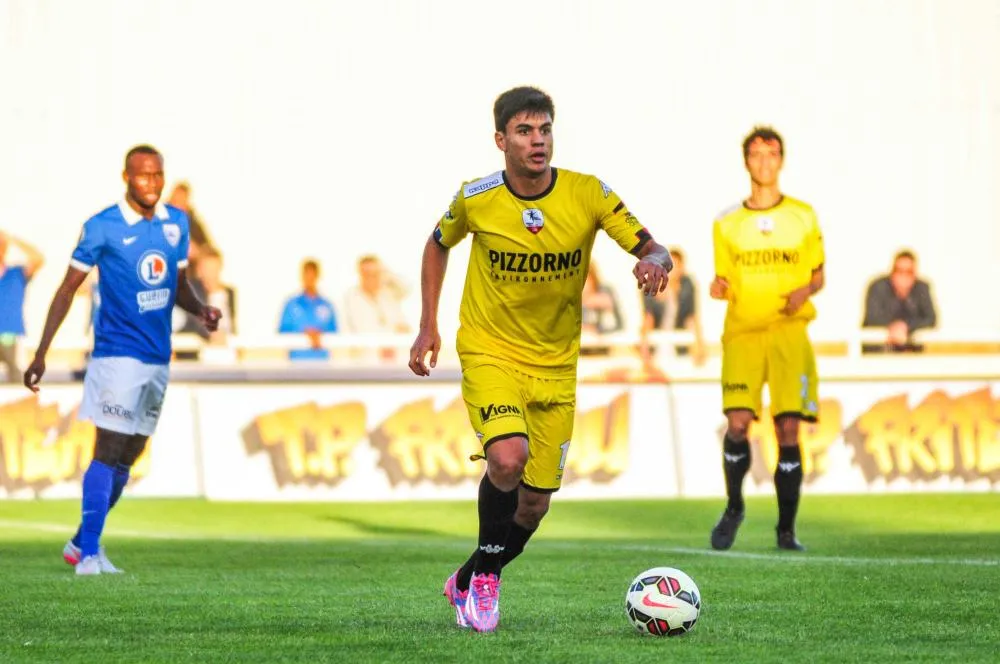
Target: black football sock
point(496, 512)
point(735, 464)
point(516, 539)
point(788, 485)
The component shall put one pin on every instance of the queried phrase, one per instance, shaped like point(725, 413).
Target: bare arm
point(61, 303)
point(798, 297)
point(186, 298)
point(432, 269)
point(189, 302)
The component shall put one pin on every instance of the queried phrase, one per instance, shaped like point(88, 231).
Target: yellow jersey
point(765, 254)
point(523, 287)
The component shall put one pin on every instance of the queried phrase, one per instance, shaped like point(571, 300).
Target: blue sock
point(97, 486)
point(117, 486)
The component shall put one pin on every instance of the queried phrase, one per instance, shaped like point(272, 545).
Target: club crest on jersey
point(152, 268)
point(533, 219)
point(173, 234)
point(765, 224)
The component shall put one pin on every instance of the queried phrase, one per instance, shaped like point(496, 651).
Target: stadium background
point(333, 130)
point(336, 129)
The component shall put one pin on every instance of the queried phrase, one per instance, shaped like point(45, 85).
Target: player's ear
point(125, 176)
point(501, 142)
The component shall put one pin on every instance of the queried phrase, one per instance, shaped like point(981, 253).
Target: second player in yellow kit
point(768, 263)
point(533, 227)
point(764, 255)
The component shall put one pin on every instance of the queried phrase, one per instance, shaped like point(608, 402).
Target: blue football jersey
point(138, 261)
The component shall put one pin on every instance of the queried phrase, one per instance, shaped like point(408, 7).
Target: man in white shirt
point(373, 306)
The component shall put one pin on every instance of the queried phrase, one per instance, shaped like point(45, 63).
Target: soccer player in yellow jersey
point(768, 264)
point(533, 227)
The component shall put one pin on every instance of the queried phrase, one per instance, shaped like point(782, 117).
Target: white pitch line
point(800, 558)
point(790, 557)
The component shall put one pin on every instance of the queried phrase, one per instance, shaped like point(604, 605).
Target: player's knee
point(132, 450)
point(505, 461)
point(786, 429)
point(738, 424)
point(531, 509)
point(109, 448)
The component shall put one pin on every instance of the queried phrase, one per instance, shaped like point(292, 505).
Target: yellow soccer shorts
point(782, 357)
point(504, 402)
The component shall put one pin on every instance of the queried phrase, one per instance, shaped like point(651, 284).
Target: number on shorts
point(562, 459)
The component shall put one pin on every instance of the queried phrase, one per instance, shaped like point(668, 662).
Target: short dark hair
point(141, 149)
point(520, 100)
point(310, 264)
point(905, 253)
point(764, 133)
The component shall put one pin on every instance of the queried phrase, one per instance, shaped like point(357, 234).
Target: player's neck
point(147, 214)
point(526, 186)
point(763, 197)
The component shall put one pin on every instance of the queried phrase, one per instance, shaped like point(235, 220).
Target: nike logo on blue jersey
point(129, 240)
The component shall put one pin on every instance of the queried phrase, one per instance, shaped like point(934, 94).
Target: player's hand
point(427, 341)
point(795, 299)
point(210, 317)
point(33, 374)
point(719, 289)
point(651, 277)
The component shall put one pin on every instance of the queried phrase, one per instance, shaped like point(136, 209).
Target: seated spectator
point(373, 306)
point(600, 311)
point(217, 294)
point(674, 309)
point(180, 198)
point(901, 303)
point(309, 313)
point(13, 283)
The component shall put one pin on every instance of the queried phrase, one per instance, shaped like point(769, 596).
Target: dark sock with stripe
point(516, 539)
point(788, 485)
point(496, 513)
point(735, 464)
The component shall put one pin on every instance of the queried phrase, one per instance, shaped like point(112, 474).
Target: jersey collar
point(132, 217)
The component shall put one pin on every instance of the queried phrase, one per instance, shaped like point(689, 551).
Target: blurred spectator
point(210, 290)
point(600, 311)
point(180, 198)
point(373, 306)
point(309, 313)
point(674, 309)
point(600, 306)
point(13, 283)
point(901, 303)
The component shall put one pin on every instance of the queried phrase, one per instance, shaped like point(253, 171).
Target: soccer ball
point(663, 601)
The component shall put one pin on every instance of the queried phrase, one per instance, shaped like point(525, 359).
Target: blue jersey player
point(140, 247)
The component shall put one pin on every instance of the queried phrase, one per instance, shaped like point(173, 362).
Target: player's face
point(527, 143)
point(144, 178)
point(764, 162)
point(3, 247)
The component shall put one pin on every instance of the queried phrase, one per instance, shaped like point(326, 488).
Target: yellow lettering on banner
point(951, 436)
point(815, 440)
point(418, 443)
point(39, 448)
point(308, 444)
point(599, 450)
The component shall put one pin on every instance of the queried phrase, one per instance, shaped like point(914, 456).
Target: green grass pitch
point(886, 578)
